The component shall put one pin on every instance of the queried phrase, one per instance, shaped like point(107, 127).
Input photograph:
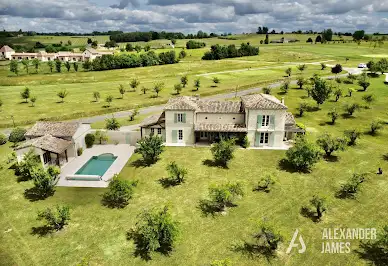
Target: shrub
point(265, 184)
point(351, 187)
point(303, 155)
point(44, 182)
point(301, 81)
point(337, 93)
point(218, 52)
point(363, 81)
point(155, 230)
point(288, 71)
point(216, 80)
point(150, 147)
point(25, 168)
point(194, 45)
point(351, 108)
point(245, 142)
point(89, 140)
point(55, 219)
point(302, 107)
point(223, 151)
point(285, 86)
point(333, 114)
point(17, 135)
point(112, 124)
point(375, 126)
point(80, 150)
point(352, 135)
point(101, 136)
point(224, 195)
point(330, 144)
point(267, 90)
point(336, 69)
point(321, 91)
point(368, 99)
point(119, 192)
point(176, 174)
point(3, 139)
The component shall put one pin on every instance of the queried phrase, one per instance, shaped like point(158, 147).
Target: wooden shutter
point(184, 118)
point(175, 118)
point(174, 135)
point(259, 120)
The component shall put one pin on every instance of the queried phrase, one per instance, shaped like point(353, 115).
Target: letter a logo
point(292, 244)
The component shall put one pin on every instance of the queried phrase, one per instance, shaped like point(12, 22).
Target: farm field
point(98, 234)
point(237, 73)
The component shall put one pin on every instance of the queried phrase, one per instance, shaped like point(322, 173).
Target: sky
point(189, 16)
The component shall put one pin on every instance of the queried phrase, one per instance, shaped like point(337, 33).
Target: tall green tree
point(67, 65)
point(14, 67)
point(134, 84)
point(58, 65)
point(122, 90)
point(184, 81)
point(155, 231)
point(109, 100)
point(223, 151)
point(26, 64)
point(50, 65)
point(197, 84)
point(75, 66)
point(330, 144)
point(321, 91)
point(36, 64)
point(303, 155)
point(150, 148)
point(158, 87)
point(363, 81)
point(25, 94)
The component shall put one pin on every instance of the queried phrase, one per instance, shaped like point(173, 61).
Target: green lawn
point(242, 73)
point(99, 234)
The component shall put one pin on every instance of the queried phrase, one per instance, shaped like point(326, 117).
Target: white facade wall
point(79, 138)
point(147, 132)
point(220, 118)
point(187, 128)
point(277, 130)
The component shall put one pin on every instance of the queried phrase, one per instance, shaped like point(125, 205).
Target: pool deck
point(122, 151)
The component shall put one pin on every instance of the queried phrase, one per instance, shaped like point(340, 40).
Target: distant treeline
point(107, 62)
point(154, 35)
point(194, 45)
point(218, 52)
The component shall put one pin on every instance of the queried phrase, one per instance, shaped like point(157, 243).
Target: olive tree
point(176, 174)
point(101, 136)
point(223, 151)
point(158, 87)
point(112, 124)
point(55, 219)
point(178, 88)
point(329, 144)
point(375, 126)
point(25, 94)
point(321, 91)
point(338, 93)
point(350, 188)
point(150, 147)
point(319, 205)
point(119, 192)
point(288, 71)
point(350, 108)
point(223, 196)
point(134, 84)
point(333, 114)
point(122, 90)
point(368, 99)
point(352, 135)
point(303, 155)
point(62, 94)
point(155, 231)
point(109, 100)
point(301, 81)
point(363, 81)
point(184, 80)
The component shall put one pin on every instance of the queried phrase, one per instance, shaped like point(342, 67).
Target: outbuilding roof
point(56, 129)
point(290, 120)
point(47, 143)
point(6, 49)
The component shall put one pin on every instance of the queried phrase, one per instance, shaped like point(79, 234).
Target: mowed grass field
point(237, 73)
point(98, 234)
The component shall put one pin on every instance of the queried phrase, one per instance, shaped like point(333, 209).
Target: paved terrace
point(122, 151)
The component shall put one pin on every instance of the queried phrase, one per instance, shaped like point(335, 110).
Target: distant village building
point(90, 54)
point(283, 40)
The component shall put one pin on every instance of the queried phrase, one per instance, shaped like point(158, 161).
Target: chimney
point(282, 100)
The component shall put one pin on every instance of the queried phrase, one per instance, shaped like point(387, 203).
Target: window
point(46, 157)
point(264, 138)
point(180, 134)
point(204, 134)
point(265, 121)
point(180, 118)
point(234, 118)
point(152, 131)
point(159, 131)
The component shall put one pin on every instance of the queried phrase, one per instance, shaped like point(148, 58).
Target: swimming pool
point(97, 165)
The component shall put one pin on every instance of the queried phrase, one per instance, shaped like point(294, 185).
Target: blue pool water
point(97, 165)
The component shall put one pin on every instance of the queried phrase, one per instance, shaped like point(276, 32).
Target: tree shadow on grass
point(253, 251)
point(42, 231)
point(307, 213)
point(326, 123)
point(347, 116)
point(208, 207)
point(313, 109)
point(168, 182)
point(385, 157)
point(373, 253)
point(285, 165)
point(141, 247)
point(212, 163)
point(33, 194)
point(140, 163)
point(331, 158)
point(113, 204)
